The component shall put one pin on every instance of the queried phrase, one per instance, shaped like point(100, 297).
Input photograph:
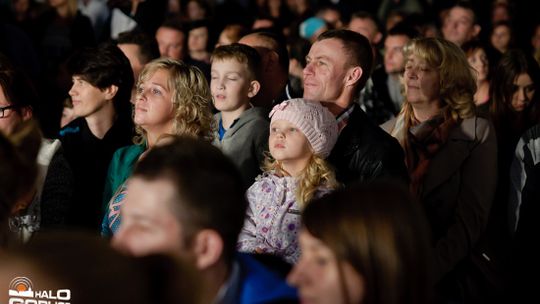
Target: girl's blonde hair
point(457, 81)
point(190, 98)
point(318, 172)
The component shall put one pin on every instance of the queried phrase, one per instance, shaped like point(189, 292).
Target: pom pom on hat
point(315, 121)
point(310, 26)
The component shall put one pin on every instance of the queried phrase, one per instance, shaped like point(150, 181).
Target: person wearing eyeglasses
point(8, 124)
point(47, 206)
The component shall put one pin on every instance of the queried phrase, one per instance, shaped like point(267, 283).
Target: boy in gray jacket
point(241, 129)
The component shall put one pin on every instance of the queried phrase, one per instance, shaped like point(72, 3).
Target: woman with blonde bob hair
point(173, 98)
point(451, 156)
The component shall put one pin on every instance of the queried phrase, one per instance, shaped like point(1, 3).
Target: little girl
point(302, 134)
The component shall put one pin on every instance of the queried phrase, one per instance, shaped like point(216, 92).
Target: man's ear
point(353, 76)
point(254, 87)
point(476, 30)
point(377, 38)
point(208, 248)
point(110, 91)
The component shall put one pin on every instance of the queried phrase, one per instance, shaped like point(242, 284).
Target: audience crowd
point(269, 151)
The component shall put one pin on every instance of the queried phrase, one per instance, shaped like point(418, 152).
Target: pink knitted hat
point(314, 120)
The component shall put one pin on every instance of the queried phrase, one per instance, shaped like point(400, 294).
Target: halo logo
point(21, 286)
point(21, 291)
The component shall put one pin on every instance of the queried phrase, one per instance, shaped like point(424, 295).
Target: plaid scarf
point(423, 142)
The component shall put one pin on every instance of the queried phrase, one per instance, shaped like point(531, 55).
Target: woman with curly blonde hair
point(451, 156)
point(173, 98)
point(302, 134)
point(188, 96)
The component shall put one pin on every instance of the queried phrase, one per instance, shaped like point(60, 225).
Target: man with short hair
point(275, 67)
point(387, 80)
point(171, 39)
point(460, 24)
point(186, 199)
point(365, 24)
point(370, 102)
point(338, 66)
point(140, 49)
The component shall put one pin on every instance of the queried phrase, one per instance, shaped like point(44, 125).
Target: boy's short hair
point(242, 53)
point(209, 188)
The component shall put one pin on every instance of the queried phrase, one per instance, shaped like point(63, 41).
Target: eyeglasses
point(3, 110)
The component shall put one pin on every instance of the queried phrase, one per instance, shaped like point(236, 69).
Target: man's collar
point(345, 114)
point(228, 293)
point(343, 118)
